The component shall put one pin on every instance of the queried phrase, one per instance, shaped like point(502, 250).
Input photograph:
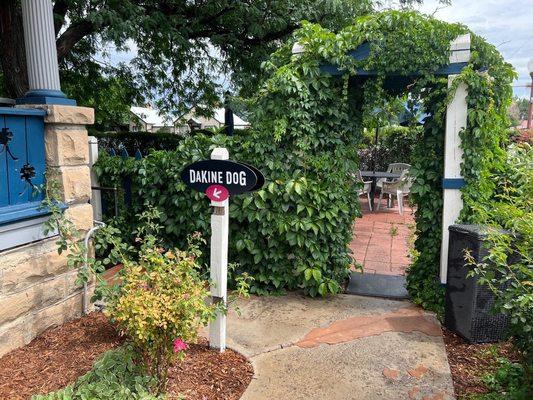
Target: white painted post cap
point(460, 49)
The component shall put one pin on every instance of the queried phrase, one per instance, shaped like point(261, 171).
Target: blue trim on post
point(44, 96)
point(45, 93)
point(453, 183)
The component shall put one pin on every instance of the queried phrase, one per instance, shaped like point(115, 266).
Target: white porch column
point(41, 54)
point(40, 41)
point(456, 118)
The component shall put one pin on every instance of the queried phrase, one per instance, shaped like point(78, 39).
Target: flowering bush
point(161, 305)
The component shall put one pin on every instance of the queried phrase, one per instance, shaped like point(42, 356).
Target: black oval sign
point(237, 178)
point(260, 177)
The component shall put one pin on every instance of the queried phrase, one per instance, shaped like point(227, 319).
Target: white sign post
point(219, 260)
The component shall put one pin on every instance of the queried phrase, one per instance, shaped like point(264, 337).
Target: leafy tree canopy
point(183, 47)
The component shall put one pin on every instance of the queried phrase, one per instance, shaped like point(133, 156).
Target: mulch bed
point(61, 355)
point(206, 374)
point(470, 362)
point(56, 358)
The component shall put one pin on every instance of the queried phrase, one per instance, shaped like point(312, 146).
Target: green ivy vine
point(401, 43)
point(295, 232)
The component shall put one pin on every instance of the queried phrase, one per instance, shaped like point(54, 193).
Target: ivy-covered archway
point(315, 102)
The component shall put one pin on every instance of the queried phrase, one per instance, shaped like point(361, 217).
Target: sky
point(507, 24)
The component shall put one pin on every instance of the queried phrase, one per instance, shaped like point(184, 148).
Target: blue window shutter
point(18, 192)
point(18, 201)
point(36, 153)
point(4, 189)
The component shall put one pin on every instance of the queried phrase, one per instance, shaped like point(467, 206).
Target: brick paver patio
point(381, 239)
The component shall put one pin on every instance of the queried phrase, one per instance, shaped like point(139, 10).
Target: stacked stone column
point(67, 159)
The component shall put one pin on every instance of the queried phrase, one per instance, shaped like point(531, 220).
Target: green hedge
point(294, 233)
point(395, 144)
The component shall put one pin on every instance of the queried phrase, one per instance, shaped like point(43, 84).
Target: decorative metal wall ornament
point(5, 137)
point(27, 173)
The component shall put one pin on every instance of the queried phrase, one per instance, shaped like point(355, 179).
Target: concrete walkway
point(345, 347)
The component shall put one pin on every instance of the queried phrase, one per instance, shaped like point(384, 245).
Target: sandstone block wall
point(37, 289)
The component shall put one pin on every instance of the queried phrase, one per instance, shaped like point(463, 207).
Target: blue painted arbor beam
point(450, 69)
point(363, 51)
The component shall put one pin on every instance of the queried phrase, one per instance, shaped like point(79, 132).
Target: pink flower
point(180, 345)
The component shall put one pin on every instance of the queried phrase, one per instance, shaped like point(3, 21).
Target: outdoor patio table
point(375, 175)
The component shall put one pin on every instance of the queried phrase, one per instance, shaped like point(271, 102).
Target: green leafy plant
point(395, 144)
point(288, 227)
point(162, 301)
point(307, 127)
point(115, 376)
point(507, 269)
point(509, 381)
point(69, 239)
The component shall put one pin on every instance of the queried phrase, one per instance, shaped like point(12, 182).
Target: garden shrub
point(115, 376)
point(291, 234)
point(161, 305)
point(510, 381)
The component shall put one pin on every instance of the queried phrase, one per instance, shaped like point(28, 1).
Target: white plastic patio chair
point(400, 188)
point(367, 186)
point(395, 168)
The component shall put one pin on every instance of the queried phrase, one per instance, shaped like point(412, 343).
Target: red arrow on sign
point(217, 193)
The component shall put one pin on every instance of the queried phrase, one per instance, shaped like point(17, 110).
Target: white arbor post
point(456, 119)
point(219, 261)
point(41, 54)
